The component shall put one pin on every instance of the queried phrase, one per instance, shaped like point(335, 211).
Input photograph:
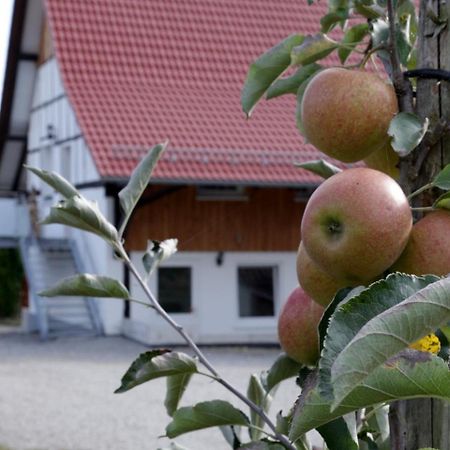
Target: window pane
point(255, 291)
point(174, 289)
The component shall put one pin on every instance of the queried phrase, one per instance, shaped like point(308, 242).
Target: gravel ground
point(58, 395)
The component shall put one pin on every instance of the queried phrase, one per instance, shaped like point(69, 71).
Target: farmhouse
point(90, 86)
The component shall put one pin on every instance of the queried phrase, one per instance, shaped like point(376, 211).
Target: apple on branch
point(319, 285)
point(346, 113)
point(428, 248)
point(356, 225)
point(297, 327)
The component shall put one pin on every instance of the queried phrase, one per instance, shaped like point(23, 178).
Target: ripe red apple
point(428, 248)
point(297, 327)
point(320, 286)
point(385, 159)
point(356, 224)
point(346, 113)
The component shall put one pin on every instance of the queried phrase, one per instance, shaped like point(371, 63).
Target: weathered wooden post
point(418, 424)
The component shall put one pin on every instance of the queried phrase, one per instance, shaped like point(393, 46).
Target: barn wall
point(268, 221)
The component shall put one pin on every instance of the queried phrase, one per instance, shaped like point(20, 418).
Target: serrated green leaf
point(407, 131)
point(258, 395)
point(156, 364)
point(78, 212)
point(290, 85)
point(139, 179)
point(342, 296)
point(337, 435)
point(330, 20)
point(56, 181)
point(351, 315)
point(282, 423)
point(353, 35)
point(409, 374)
point(282, 369)
point(320, 167)
point(442, 202)
point(265, 70)
point(87, 285)
point(175, 385)
point(158, 251)
point(442, 179)
point(208, 414)
point(388, 333)
point(403, 46)
point(312, 49)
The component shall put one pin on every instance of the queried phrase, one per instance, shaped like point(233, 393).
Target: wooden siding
point(46, 50)
point(268, 221)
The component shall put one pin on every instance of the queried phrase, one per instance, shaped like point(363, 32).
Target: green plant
point(367, 335)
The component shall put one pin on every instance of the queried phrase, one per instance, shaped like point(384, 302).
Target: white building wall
point(66, 152)
point(215, 314)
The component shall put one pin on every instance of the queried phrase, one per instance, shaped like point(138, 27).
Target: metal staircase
point(47, 261)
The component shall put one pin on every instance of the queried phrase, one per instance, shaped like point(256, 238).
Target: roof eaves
point(12, 62)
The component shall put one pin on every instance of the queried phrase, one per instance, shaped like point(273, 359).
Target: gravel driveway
point(58, 395)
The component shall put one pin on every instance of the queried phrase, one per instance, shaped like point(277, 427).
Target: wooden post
point(426, 423)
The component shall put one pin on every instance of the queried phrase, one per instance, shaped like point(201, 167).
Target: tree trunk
point(417, 424)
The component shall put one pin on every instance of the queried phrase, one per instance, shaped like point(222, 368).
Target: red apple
point(297, 327)
point(346, 113)
point(356, 225)
point(320, 286)
point(428, 248)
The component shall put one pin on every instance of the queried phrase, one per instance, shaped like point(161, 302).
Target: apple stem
point(420, 190)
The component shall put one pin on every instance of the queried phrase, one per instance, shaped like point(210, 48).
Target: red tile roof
point(138, 72)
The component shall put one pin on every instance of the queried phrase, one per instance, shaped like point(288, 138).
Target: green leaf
point(265, 70)
point(87, 285)
point(282, 423)
point(403, 46)
point(388, 333)
point(355, 311)
point(407, 131)
point(319, 167)
point(370, 11)
point(262, 445)
point(231, 435)
point(442, 179)
point(282, 369)
point(353, 35)
point(56, 181)
point(78, 212)
point(156, 364)
point(176, 385)
point(443, 202)
point(290, 85)
point(140, 177)
point(407, 17)
point(312, 49)
point(409, 374)
point(208, 414)
point(157, 252)
point(337, 435)
point(330, 20)
point(258, 395)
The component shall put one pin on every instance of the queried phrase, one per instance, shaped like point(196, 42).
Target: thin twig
point(420, 190)
point(423, 208)
point(202, 358)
